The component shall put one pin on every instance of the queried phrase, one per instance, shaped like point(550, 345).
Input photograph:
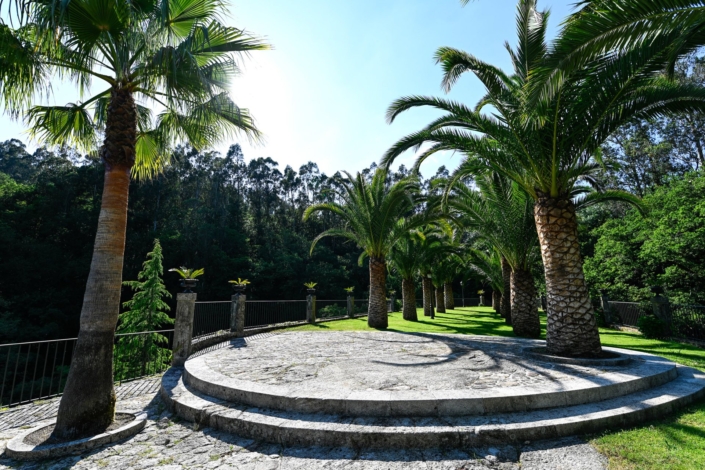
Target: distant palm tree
point(404, 259)
point(502, 214)
point(547, 147)
point(173, 57)
point(376, 216)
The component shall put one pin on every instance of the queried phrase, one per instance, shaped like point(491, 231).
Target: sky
point(322, 93)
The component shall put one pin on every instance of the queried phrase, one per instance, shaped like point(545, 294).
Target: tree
point(174, 55)
point(548, 145)
point(146, 312)
point(501, 213)
point(404, 259)
point(376, 216)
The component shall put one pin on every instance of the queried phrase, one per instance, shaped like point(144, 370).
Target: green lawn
point(674, 443)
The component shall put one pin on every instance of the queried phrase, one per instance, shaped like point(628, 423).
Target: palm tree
point(548, 146)
point(669, 29)
point(501, 213)
point(173, 56)
point(376, 216)
point(487, 265)
point(404, 260)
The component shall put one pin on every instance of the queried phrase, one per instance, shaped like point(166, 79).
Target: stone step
point(588, 385)
point(310, 429)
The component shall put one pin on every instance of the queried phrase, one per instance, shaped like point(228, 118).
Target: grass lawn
point(674, 443)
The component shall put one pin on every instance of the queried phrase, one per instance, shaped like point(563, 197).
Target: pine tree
point(140, 355)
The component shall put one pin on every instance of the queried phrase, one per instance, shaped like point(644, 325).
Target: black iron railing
point(271, 312)
point(331, 308)
point(628, 313)
point(211, 317)
point(688, 321)
point(39, 369)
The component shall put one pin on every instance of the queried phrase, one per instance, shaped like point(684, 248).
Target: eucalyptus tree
point(548, 145)
point(376, 214)
point(172, 57)
point(501, 213)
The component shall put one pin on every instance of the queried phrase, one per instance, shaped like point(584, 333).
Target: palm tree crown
point(173, 56)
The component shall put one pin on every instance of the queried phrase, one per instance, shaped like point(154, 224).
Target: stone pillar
point(237, 314)
point(183, 328)
point(605, 303)
point(392, 302)
point(351, 306)
point(662, 310)
point(311, 308)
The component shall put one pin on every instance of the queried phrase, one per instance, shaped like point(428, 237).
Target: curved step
point(645, 371)
point(301, 429)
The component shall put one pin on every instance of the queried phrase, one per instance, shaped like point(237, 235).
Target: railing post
point(351, 306)
point(662, 308)
point(183, 327)
point(606, 308)
point(237, 314)
point(311, 307)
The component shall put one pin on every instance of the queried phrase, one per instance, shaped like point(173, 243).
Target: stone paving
point(167, 443)
point(337, 362)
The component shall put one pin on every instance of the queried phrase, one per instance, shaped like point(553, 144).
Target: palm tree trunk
point(448, 294)
point(525, 315)
point(571, 328)
point(408, 293)
point(377, 310)
point(87, 406)
point(440, 301)
point(496, 300)
point(505, 306)
point(427, 296)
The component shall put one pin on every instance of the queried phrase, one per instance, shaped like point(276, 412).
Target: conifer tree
point(139, 355)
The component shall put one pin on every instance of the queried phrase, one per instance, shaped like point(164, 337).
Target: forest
point(238, 216)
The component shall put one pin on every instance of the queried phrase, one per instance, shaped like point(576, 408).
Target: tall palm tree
point(172, 56)
point(548, 146)
point(501, 213)
point(376, 215)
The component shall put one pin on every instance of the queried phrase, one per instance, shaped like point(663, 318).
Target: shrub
point(332, 311)
point(652, 326)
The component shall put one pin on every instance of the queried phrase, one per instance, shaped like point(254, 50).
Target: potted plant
point(239, 285)
point(349, 290)
point(310, 287)
point(188, 277)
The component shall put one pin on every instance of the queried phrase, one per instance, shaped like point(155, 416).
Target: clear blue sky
point(322, 93)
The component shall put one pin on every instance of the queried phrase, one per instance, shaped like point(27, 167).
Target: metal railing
point(271, 312)
point(211, 317)
point(331, 308)
point(628, 312)
point(688, 321)
point(39, 369)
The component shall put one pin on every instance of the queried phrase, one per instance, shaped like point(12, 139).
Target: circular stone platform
point(395, 374)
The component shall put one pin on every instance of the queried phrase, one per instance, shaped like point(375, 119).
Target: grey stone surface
point(168, 443)
point(183, 327)
point(293, 428)
point(395, 374)
point(17, 448)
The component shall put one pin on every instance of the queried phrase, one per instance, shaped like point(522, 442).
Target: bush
point(652, 327)
point(332, 311)
point(600, 317)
